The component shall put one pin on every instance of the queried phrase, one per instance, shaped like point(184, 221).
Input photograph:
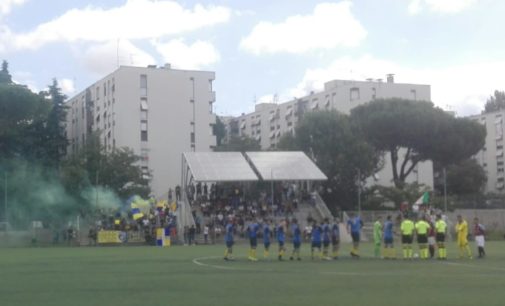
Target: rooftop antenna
point(276, 98)
point(255, 100)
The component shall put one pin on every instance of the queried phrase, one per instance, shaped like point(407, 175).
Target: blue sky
point(261, 48)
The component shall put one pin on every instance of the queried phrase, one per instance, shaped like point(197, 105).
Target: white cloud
point(183, 56)
point(330, 25)
point(439, 6)
point(7, 5)
point(67, 86)
point(104, 58)
point(463, 88)
point(136, 19)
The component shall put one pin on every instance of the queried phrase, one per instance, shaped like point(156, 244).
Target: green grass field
point(198, 275)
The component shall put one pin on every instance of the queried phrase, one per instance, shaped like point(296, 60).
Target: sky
point(263, 50)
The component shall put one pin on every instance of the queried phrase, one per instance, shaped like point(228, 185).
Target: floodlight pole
point(445, 190)
point(272, 184)
point(5, 200)
point(359, 191)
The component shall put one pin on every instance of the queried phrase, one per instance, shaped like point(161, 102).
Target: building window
point(143, 126)
point(143, 115)
point(354, 93)
point(192, 137)
point(104, 89)
point(143, 104)
point(210, 85)
point(210, 107)
point(98, 93)
point(143, 135)
point(143, 85)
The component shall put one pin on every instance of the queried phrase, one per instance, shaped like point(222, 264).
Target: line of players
point(322, 236)
point(427, 234)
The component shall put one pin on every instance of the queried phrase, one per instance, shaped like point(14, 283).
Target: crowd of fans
point(213, 204)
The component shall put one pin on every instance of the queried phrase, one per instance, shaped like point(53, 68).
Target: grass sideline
point(197, 275)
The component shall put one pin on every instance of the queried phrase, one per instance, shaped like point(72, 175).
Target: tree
point(219, 131)
point(117, 170)
point(338, 150)
point(239, 144)
point(466, 177)
point(416, 131)
point(22, 116)
point(495, 102)
point(55, 136)
point(5, 77)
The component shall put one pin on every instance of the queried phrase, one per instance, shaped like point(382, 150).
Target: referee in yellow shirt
point(407, 230)
point(462, 234)
point(422, 228)
point(441, 230)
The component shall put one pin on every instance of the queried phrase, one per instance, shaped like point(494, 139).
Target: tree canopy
point(239, 144)
point(339, 151)
point(495, 102)
point(415, 131)
point(466, 177)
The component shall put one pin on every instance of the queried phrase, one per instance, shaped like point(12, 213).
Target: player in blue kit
point(281, 238)
point(335, 238)
point(252, 231)
point(326, 238)
point(297, 240)
point(228, 238)
point(354, 225)
point(389, 250)
point(316, 240)
point(266, 238)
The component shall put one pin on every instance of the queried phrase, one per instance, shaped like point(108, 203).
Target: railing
point(184, 218)
point(322, 208)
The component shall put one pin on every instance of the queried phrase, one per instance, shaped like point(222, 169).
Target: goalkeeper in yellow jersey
point(462, 236)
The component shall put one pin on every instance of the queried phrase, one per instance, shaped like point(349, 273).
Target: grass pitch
point(197, 275)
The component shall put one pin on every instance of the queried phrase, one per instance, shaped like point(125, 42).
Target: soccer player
point(228, 238)
point(407, 230)
point(422, 228)
point(326, 238)
point(281, 238)
point(431, 239)
point(389, 251)
point(297, 240)
point(252, 231)
point(377, 236)
point(335, 238)
point(479, 232)
point(462, 234)
point(354, 225)
point(266, 239)
point(316, 240)
point(440, 232)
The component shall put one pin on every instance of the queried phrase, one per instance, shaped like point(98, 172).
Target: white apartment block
point(270, 121)
point(157, 112)
point(491, 156)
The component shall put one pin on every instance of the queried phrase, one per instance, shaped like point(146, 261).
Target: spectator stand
point(254, 185)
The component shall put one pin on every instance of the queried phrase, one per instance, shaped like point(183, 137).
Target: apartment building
point(270, 121)
point(158, 112)
point(491, 156)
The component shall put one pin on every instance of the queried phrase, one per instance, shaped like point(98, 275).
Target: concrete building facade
point(157, 112)
point(270, 121)
point(491, 156)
